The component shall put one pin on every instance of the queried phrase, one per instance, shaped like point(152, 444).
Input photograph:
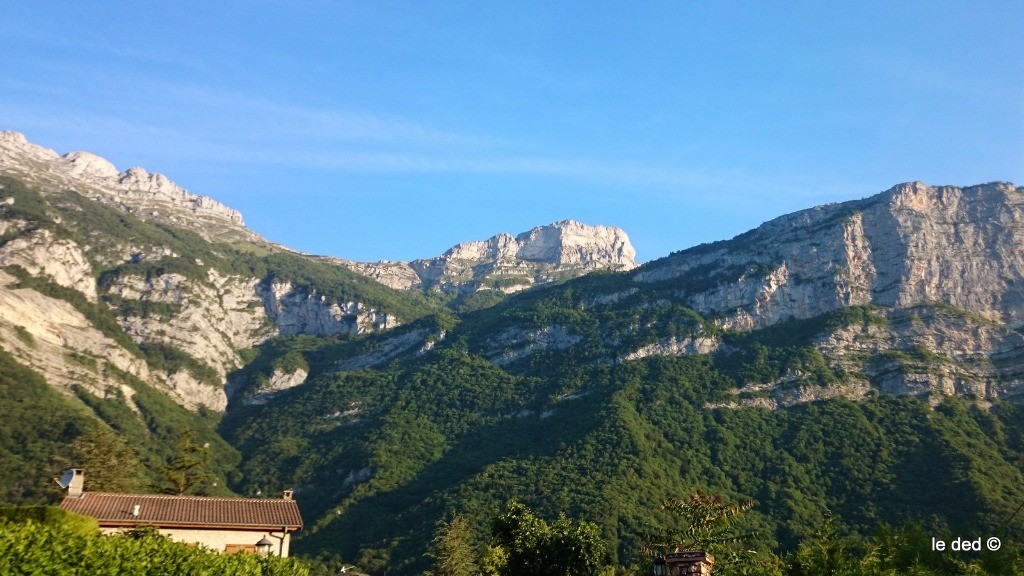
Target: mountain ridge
point(510, 263)
point(862, 358)
point(133, 189)
point(542, 254)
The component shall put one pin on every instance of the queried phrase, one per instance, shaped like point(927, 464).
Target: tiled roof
point(186, 511)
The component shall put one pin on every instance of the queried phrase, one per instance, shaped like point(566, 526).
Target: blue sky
point(383, 130)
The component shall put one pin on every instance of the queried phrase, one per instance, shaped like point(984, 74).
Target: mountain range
point(863, 358)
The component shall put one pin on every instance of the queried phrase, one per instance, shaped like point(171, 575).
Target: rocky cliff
point(939, 272)
point(943, 267)
point(910, 245)
point(154, 258)
point(146, 196)
point(511, 263)
point(177, 273)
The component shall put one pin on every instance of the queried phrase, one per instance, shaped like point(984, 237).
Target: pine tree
point(452, 549)
point(110, 464)
point(188, 471)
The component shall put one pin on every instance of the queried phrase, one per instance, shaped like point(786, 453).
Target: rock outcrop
point(909, 245)
point(60, 343)
point(296, 311)
point(510, 264)
point(58, 259)
point(191, 319)
point(147, 196)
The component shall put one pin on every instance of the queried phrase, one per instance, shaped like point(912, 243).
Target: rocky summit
point(177, 274)
point(136, 191)
point(910, 245)
point(511, 263)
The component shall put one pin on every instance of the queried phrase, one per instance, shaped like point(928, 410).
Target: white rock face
point(386, 350)
point(508, 263)
point(64, 347)
point(86, 165)
point(280, 381)
point(569, 243)
point(214, 318)
point(297, 312)
point(136, 191)
point(516, 343)
point(966, 354)
point(933, 351)
point(909, 245)
point(58, 259)
point(674, 347)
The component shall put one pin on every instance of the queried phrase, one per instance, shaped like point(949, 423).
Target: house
point(699, 563)
point(227, 524)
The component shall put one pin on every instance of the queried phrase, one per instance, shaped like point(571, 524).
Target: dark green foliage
point(28, 206)
point(188, 471)
point(126, 307)
point(453, 431)
point(111, 464)
point(452, 549)
point(529, 546)
point(709, 523)
point(795, 333)
point(479, 300)
point(53, 516)
point(36, 433)
point(34, 548)
point(25, 336)
point(160, 425)
point(890, 551)
point(167, 358)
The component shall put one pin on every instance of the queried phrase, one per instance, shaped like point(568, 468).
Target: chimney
point(135, 510)
point(288, 494)
point(74, 481)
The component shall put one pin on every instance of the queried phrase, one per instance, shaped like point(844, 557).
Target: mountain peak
point(511, 263)
point(12, 137)
point(571, 243)
point(135, 190)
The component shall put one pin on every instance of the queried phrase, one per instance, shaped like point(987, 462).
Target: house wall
point(219, 539)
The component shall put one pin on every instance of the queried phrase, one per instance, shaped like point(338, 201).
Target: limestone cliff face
point(300, 312)
point(58, 259)
point(935, 349)
point(203, 312)
point(569, 243)
point(929, 351)
point(911, 244)
point(147, 196)
point(210, 320)
point(60, 343)
point(944, 265)
point(510, 264)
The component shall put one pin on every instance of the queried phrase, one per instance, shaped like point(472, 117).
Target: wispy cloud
point(228, 127)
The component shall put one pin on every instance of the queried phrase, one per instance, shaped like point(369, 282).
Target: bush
point(50, 516)
point(32, 547)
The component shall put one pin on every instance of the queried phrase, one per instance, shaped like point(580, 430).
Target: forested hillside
point(85, 359)
point(842, 372)
point(380, 455)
